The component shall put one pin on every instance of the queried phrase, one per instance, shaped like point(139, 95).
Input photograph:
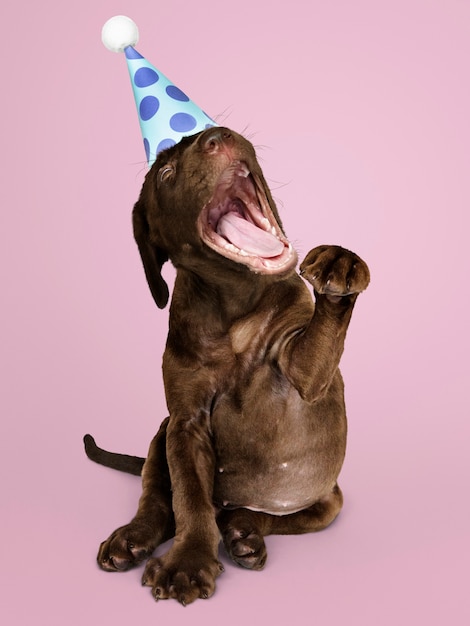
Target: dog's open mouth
point(238, 223)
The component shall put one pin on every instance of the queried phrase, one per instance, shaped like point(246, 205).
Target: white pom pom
point(119, 32)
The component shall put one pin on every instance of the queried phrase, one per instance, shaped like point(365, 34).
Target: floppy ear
point(152, 256)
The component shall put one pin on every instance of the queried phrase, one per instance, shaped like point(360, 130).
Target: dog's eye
point(164, 173)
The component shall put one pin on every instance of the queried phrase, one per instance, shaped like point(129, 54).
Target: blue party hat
point(166, 114)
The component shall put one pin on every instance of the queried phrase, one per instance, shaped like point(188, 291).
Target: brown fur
point(257, 428)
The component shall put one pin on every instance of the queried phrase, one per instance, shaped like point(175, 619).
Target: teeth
point(229, 246)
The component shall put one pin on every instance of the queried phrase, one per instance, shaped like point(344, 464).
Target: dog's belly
point(274, 452)
point(284, 489)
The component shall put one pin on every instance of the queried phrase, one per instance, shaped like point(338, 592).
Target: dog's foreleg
point(309, 361)
point(189, 569)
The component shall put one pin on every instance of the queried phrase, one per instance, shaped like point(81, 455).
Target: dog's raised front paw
point(335, 272)
point(126, 547)
point(183, 574)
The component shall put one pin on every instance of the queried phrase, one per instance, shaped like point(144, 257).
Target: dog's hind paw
point(127, 547)
point(246, 548)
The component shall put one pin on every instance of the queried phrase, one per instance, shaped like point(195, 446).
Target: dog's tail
point(121, 462)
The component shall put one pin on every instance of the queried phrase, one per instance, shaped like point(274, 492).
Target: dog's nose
point(216, 139)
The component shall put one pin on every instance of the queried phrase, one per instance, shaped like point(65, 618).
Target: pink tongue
point(248, 237)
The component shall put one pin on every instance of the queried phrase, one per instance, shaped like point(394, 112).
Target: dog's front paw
point(182, 574)
point(335, 272)
point(126, 547)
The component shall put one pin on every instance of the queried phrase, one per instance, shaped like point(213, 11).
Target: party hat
point(166, 114)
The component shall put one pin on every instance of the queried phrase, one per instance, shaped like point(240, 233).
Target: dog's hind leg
point(243, 530)
point(153, 523)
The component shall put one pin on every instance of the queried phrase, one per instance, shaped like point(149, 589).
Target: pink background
point(360, 111)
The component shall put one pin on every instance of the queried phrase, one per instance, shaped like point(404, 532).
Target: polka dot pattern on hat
point(182, 122)
point(176, 93)
point(149, 105)
point(144, 77)
point(166, 114)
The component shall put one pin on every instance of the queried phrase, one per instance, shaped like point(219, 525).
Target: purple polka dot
point(164, 144)
point(176, 94)
point(148, 107)
point(145, 76)
point(147, 148)
point(182, 122)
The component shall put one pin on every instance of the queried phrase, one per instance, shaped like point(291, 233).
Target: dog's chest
point(248, 336)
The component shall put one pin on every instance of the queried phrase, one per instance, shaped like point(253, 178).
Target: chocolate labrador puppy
point(256, 434)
